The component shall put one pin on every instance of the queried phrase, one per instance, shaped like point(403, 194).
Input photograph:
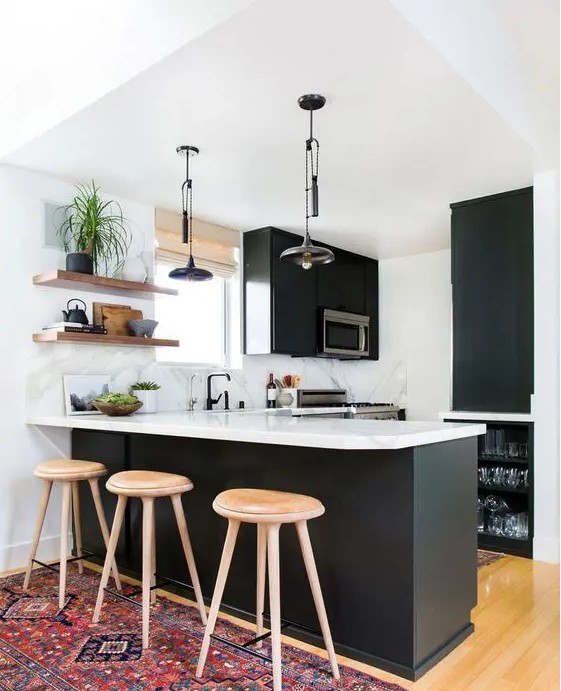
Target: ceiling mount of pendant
point(187, 150)
point(311, 101)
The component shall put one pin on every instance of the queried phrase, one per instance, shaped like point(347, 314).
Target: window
point(204, 317)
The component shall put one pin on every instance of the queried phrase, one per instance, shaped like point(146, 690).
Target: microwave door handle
point(362, 345)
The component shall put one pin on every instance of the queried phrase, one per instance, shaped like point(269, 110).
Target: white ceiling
point(402, 134)
point(60, 56)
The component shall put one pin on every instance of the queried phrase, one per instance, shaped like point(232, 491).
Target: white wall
point(24, 308)
point(415, 327)
point(546, 365)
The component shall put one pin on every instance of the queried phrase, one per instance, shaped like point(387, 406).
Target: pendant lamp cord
point(187, 201)
point(311, 169)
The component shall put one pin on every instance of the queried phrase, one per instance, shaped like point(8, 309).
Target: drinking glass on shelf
point(498, 475)
point(497, 508)
point(495, 524)
point(484, 476)
point(480, 515)
point(511, 525)
point(489, 448)
point(511, 478)
point(523, 451)
point(524, 479)
point(513, 449)
point(522, 527)
point(500, 446)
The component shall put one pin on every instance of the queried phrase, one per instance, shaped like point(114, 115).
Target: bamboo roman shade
point(214, 247)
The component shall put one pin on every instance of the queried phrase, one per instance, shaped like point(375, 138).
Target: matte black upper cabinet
point(493, 303)
point(342, 284)
point(282, 301)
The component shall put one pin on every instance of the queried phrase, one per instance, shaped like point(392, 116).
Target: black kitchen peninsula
point(396, 548)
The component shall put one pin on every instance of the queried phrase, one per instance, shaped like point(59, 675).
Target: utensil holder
point(287, 398)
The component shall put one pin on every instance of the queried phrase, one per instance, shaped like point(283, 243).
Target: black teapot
point(75, 314)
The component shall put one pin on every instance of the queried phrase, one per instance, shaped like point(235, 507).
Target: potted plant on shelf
point(146, 391)
point(94, 233)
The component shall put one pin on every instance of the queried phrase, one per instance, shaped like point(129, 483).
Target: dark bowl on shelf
point(115, 409)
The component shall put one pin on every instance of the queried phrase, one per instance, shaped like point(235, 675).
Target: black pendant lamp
point(189, 272)
point(308, 255)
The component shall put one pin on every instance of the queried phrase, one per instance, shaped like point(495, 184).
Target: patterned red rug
point(484, 558)
point(42, 647)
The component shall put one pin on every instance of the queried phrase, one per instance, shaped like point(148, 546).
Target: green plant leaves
point(96, 227)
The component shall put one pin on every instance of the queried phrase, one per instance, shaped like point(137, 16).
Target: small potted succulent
point(147, 392)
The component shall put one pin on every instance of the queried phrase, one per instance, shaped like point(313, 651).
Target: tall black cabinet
point(493, 303)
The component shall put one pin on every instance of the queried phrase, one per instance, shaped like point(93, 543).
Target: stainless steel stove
point(374, 411)
point(333, 403)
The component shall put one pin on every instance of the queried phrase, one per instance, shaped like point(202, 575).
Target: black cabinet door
point(107, 448)
point(492, 275)
point(294, 318)
point(342, 284)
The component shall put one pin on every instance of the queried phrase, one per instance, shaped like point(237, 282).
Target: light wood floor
point(515, 646)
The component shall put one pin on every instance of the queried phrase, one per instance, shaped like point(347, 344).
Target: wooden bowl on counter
point(115, 409)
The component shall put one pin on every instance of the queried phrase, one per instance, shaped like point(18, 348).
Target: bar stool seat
point(69, 469)
point(269, 509)
point(265, 505)
point(148, 485)
point(68, 472)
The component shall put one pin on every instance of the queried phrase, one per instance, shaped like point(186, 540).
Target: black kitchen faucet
point(210, 401)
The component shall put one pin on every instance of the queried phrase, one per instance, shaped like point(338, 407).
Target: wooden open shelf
point(102, 339)
point(58, 278)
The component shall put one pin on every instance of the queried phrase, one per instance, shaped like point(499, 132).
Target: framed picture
point(80, 390)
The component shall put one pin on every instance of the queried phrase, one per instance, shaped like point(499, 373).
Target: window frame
point(231, 356)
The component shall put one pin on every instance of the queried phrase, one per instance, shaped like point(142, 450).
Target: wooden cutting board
point(115, 319)
point(97, 310)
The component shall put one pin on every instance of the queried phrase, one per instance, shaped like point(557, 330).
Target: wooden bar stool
point(148, 485)
point(68, 472)
point(269, 510)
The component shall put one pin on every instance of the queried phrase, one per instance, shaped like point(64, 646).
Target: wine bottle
point(271, 392)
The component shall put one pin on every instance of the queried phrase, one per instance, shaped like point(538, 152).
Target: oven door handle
point(362, 343)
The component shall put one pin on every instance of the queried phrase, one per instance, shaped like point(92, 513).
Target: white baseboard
point(546, 549)
point(15, 556)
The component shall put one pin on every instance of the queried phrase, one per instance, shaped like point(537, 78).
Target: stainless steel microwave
point(343, 334)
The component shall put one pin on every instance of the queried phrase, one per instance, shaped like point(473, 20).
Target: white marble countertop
point(486, 417)
point(263, 428)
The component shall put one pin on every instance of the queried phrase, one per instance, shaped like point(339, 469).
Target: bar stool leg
point(225, 561)
point(153, 595)
point(64, 518)
point(147, 527)
point(274, 598)
point(110, 555)
point(261, 576)
point(77, 523)
point(187, 549)
point(47, 486)
point(311, 570)
point(94, 486)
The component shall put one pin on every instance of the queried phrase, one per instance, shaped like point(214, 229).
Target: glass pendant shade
point(189, 272)
point(307, 255)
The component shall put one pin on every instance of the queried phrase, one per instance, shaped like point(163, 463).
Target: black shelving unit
point(519, 499)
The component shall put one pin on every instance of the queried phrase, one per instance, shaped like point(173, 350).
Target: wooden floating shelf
point(102, 339)
point(99, 284)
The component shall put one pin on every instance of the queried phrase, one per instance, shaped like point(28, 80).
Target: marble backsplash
point(365, 381)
